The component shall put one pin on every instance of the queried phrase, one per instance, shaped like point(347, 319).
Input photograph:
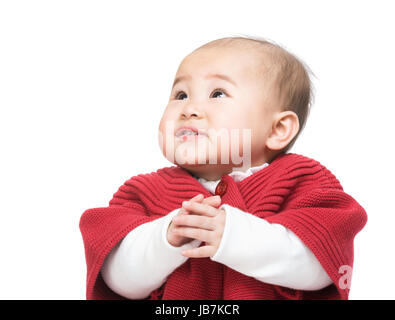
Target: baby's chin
point(207, 171)
point(196, 162)
point(193, 155)
point(202, 158)
point(205, 167)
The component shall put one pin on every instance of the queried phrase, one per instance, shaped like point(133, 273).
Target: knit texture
point(294, 191)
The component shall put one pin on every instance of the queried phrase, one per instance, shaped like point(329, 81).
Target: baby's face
point(223, 94)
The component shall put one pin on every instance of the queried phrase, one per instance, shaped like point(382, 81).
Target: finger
point(200, 208)
point(194, 221)
point(213, 201)
point(198, 197)
point(195, 233)
point(182, 211)
point(200, 252)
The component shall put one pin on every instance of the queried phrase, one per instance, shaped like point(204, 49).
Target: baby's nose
point(191, 110)
point(190, 114)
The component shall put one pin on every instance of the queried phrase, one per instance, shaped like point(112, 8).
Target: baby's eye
point(180, 93)
point(214, 95)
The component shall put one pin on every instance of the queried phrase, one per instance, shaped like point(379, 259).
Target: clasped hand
point(198, 219)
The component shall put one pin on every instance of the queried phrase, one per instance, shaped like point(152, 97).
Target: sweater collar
point(191, 183)
point(237, 176)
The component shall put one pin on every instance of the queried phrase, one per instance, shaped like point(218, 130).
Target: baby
point(237, 217)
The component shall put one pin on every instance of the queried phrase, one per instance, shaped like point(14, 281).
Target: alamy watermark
point(345, 279)
point(205, 145)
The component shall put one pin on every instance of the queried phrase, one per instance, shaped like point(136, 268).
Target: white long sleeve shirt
point(268, 252)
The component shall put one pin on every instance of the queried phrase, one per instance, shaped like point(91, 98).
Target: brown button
point(221, 188)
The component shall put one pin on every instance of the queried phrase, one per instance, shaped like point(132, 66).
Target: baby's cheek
point(241, 147)
point(223, 146)
point(167, 146)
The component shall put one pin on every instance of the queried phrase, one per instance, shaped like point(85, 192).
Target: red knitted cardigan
point(294, 191)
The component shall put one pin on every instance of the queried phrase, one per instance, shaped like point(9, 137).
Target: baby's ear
point(285, 128)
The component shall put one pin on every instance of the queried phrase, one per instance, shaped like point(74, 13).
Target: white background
point(83, 85)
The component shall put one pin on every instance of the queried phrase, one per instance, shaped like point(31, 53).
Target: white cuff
point(143, 260)
point(268, 252)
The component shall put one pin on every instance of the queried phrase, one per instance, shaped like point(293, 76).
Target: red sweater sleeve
point(326, 220)
point(102, 229)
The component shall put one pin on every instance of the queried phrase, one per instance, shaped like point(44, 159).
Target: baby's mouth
point(190, 133)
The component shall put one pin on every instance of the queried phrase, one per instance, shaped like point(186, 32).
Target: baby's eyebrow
point(215, 75)
point(221, 76)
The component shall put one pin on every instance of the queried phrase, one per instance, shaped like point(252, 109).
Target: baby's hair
point(291, 76)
